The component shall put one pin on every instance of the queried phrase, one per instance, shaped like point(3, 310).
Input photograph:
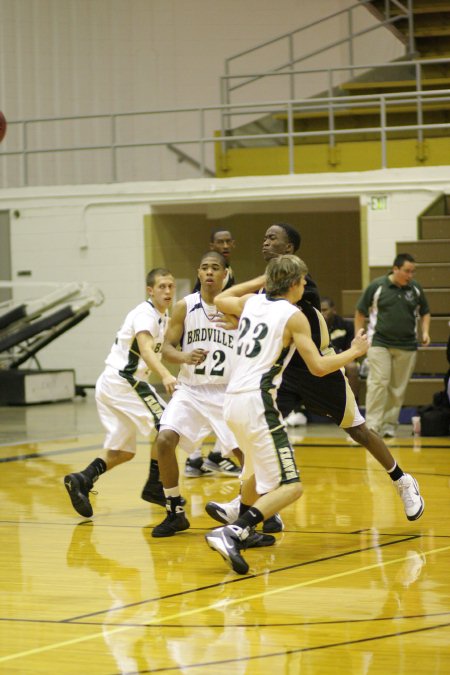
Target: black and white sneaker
point(273, 524)
point(196, 468)
point(227, 541)
point(225, 512)
point(172, 523)
point(220, 464)
point(78, 487)
point(408, 489)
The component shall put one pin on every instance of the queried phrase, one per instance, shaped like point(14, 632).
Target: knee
point(295, 491)
point(360, 434)
point(298, 490)
point(166, 442)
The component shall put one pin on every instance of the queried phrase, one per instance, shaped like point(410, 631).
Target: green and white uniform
point(126, 402)
point(196, 406)
point(250, 408)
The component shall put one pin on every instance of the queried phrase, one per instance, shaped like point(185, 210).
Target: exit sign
point(379, 203)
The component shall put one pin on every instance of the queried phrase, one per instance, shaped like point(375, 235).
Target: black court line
point(379, 469)
point(258, 626)
point(195, 530)
point(355, 446)
point(65, 451)
point(50, 453)
point(221, 584)
point(286, 652)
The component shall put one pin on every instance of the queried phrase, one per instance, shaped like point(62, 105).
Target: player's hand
point(360, 342)
point(227, 321)
point(196, 357)
point(169, 382)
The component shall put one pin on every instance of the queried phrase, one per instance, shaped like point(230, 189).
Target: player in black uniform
point(331, 395)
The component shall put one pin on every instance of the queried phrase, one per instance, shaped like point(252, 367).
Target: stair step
point(426, 250)
point(419, 7)
point(435, 227)
point(429, 275)
point(431, 83)
point(439, 329)
point(363, 110)
point(418, 392)
point(431, 361)
point(431, 31)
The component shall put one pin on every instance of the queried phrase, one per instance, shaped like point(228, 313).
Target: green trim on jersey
point(268, 378)
point(284, 451)
point(133, 359)
point(143, 389)
point(148, 396)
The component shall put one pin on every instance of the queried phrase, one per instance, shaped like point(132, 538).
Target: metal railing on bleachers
point(26, 145)
point(403, 15)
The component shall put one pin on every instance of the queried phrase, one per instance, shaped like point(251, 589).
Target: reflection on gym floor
point(351, 586)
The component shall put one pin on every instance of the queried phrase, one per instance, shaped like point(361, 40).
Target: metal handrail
point(292, 61)
point(417, 63)
point(287, 107)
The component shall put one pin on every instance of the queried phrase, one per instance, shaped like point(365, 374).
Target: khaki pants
point(389, 373)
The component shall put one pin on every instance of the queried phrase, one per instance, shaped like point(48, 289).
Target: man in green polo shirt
point(393, 304)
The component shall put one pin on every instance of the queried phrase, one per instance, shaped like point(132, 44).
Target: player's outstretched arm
point(231, 305)
point(317, 364)
point(246, 287)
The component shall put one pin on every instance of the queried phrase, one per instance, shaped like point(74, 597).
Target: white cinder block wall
point(96, 234)
point(63, 237)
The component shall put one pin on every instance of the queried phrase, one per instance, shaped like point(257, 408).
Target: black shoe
point(257, 540)
point(273, 524)
point(172, 523)
point(78, 486)
point(153, 492)
point(226, 541)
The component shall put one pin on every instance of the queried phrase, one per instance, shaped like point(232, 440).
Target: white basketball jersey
point(124, 355)
point(260, 357)
point(201, 332)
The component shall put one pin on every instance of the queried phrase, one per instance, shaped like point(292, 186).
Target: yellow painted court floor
point(351, 586)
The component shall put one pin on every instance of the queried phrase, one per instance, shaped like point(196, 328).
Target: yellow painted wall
point(331, 245)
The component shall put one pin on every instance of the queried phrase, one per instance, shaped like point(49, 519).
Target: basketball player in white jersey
point(126, 402)
point(195, 408)
point(215, 463)
point(271, 327)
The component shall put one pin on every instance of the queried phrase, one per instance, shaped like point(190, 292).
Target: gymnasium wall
point(79, 57)
point(111, 235)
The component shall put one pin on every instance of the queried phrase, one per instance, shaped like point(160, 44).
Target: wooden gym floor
point(350, 586)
